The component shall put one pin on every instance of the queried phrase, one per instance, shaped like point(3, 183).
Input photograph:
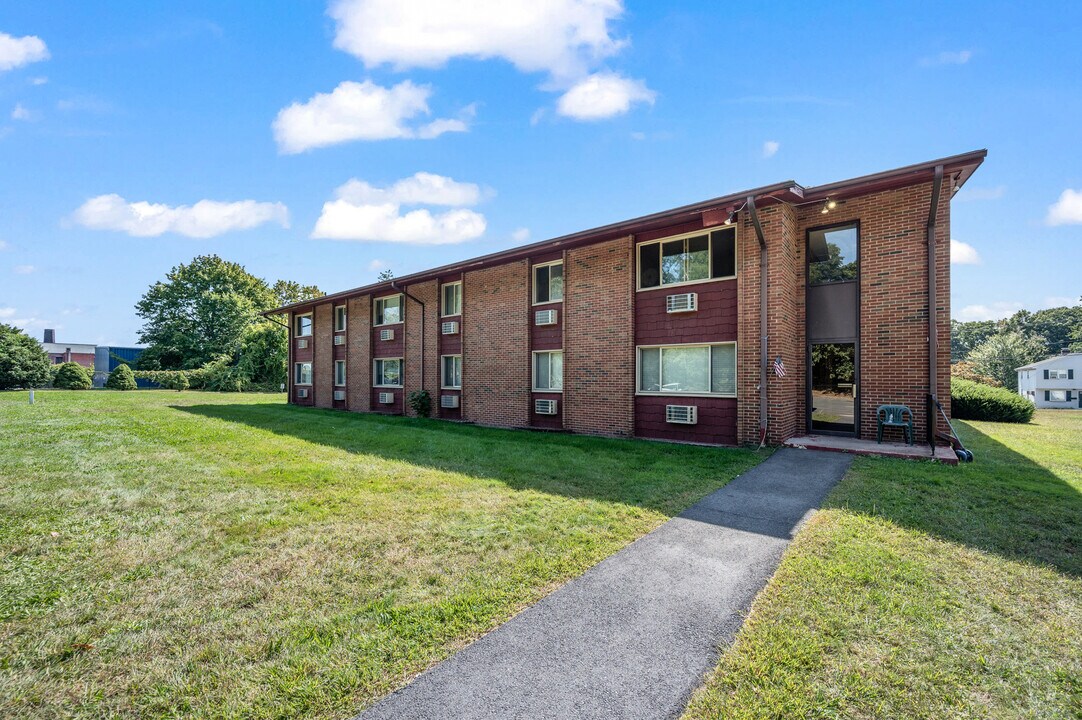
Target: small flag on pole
point(779, 367)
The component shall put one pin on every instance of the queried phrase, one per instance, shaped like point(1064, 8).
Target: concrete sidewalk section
point(634, 635)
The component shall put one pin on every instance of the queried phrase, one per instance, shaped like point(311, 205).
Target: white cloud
point(366, 213)
point(1067, 210)
point(6, 312)
point(204, 219)
point(770, 148)
point(603, 95)
point(956, 57)
point(361, 111)
point(993, 311)
point(23, 269)
point(964, 253)
point(562, 37)
point(376, 265)
point(20, 112)
point(16, 52)
point(968, 193)
point(41, 80)
point(521, 235)
point(420, 189)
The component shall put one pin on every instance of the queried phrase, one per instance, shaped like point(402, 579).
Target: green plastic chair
point(894, 416)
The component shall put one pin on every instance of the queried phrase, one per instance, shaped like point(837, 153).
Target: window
point(694, 369)
point(302, 374)
point(1057, 395)
point(548, 283)
point(1058, 374)
point(340, 318)
point(302, 325)
point(451, 378)
point(548, 371)
point(688, 258)
point(388, 372)
point(832, 254)
point(339, 373)
point(452, 299)
point(389, 310)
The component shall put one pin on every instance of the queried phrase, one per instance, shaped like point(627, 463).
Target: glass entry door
point(833, 387)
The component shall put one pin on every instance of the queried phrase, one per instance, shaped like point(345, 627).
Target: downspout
point(423, 325)
point(762, 319)
point(933, 332)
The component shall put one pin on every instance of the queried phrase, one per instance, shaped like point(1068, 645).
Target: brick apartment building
point(660, 326)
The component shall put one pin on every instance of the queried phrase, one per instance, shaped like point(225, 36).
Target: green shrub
point(973, 401)
point(180, 384)
point(72, 376)
point(420, 402)
point(121, 378)
point(23, 364)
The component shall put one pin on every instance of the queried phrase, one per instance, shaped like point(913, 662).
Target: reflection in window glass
point(700, 369)
point(832, 255)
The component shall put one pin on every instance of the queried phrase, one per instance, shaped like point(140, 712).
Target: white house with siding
point(1053, 383)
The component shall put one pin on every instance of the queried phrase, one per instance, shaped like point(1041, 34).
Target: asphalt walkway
point(633, 636)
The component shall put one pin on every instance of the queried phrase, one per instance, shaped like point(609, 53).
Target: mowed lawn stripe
point(222, 555)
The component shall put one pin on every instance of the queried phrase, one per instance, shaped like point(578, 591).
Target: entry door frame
point(857, 377)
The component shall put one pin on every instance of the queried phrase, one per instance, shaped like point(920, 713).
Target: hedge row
point(174, 379)
point(974, 401)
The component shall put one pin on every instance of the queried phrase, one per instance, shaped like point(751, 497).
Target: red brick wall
point(599, 349)
point(418, 332)
point(359, 354)
point(495, 356)
point(323, 364)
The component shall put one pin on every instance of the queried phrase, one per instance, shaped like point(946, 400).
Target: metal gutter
point(933, 334)
point(763, 331)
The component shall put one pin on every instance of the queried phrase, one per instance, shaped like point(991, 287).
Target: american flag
point(779, 367)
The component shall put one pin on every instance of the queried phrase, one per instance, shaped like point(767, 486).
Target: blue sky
point(322, 142)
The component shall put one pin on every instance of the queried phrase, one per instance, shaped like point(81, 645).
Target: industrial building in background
point(103, 359)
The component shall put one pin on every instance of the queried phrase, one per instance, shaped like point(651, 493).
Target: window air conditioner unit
point(386, 398)
point(544, 407)
point(684, 302)
point(448, 401)
point(387, 334)
point(450, 328)
point(545, 317)
point(681, 414)
point(339, 339)
point(302, 343)
point(302, 392)
point(339, 394)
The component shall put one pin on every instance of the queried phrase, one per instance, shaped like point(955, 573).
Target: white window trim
point(311, 325)
point(1057, 375)
point(311, 369)
point(401, 311)
point(375, 374)
point(345, 318)
point(533, 283)
point(454, 314)
point(710, 260)
point(646, 393)
point(450, 387)
point(1051, 394)
point(343, 364)
point(533, 371)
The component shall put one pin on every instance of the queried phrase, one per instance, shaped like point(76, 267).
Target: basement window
point(688, 369)
point(690, 258)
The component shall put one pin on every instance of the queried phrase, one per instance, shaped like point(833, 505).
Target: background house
point(1053, 383)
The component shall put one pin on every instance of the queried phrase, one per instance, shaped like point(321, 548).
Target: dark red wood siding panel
point(714, 321)
point(389, 348)
point(717, 419)
point(548, 422)
point(395, 408)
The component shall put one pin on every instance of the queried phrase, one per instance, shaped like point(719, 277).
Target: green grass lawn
point(926, 591)
point(206, 555)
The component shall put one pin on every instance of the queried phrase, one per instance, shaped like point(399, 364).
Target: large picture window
point(302, 325)
point(832, 254)
point(452, 299)
point(691, 369)
point(302, 373)
point(388, 372)
point(389, 310)
point(339, 373)
point(548, 371)
point(548, 283)
point(452, 372)
point(688, 258)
